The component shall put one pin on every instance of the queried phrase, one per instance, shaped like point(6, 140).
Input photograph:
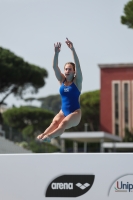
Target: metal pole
point(85, 143)
point(62, 145)
point(10, 135)
point(101, 145)
point(86, 127)
point(75, 146)
point(85, 146)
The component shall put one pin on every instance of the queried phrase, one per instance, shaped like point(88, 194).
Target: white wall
point(26, 177)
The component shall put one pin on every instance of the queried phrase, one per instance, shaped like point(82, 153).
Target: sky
point(29, 28)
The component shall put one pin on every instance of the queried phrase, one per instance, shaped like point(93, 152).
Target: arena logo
point(122, 184)
point(70, 186)
point(61, 186)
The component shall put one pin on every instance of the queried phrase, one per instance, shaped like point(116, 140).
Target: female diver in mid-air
point(70, 89)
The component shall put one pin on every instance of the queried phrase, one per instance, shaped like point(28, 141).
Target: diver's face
point(69, 71)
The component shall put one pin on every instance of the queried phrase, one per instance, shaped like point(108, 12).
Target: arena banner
point(106, 176)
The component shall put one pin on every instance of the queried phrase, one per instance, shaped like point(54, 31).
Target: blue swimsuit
point(70, 98)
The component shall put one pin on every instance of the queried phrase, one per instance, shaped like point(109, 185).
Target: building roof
point(9, 147)
point(120, 145)
point(119, 65)
point(90, 136)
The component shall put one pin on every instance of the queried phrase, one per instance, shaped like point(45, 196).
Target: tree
point(42, 147)
point(127, 19)
point(30, 121)
point(128, 136)
point(52, 102)
point(90, 106)
point(18, 76)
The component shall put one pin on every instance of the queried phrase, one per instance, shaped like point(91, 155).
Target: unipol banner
point(66, 176)
point(123, 184)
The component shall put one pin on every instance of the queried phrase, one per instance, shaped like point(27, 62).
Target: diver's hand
point(57, 47)
point(69, 44)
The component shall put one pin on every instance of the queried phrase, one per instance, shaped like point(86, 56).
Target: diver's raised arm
point(58, 74)
point(79, 76)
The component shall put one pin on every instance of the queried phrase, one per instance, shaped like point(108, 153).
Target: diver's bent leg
point(58, 131)
point(55, 123)
point(71, 120)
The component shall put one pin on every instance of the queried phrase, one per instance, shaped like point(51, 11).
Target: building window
point(116, 100)
point(126, 103)
point(116, 106)
point(116, 129)
point(126, 106)
point(121, 102)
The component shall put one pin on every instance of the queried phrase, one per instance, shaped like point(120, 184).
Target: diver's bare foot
point(46, 138)
point(40, 136)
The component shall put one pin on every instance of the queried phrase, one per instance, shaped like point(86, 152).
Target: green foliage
point(127, 19)
point(38, 147)
point(90, 106)
point(90, 102)
point(16, 75)
point(28, 120)
point(128, 136)
point(52, 102)
point(23, 144)
point(42, 147)
point(28, 131)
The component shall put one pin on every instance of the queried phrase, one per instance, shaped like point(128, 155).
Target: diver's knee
point(55, 123)
point(63, 124)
